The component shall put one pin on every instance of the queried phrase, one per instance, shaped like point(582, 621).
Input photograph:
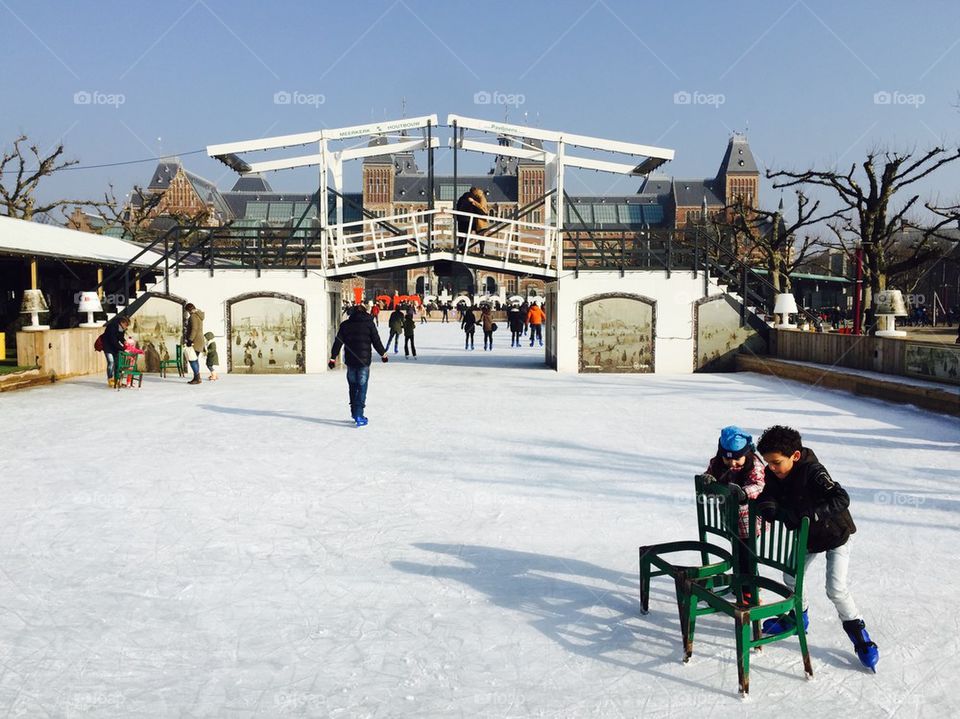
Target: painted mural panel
point(939, 364)
point(157, 329)
point(616, 335)
point(719, 334)
point(266, 336)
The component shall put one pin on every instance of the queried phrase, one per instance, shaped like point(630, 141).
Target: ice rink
point(240, 549)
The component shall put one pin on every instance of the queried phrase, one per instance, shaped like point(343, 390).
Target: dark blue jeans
point(111, 363)
point(357, 381)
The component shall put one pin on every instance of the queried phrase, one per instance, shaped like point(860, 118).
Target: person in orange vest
point(536, 316)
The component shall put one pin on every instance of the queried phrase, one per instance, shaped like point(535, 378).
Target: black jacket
point(356, 335)
point(809, 491)
point(113, 337)
point(515, 317)
point(469, 320)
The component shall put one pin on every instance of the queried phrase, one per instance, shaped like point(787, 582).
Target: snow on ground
point(237, 549)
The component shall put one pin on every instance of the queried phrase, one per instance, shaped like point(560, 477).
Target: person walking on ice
point(535, 317)
point(798, 486)
point(395, 323)
point(409, 326)
point(356, 335)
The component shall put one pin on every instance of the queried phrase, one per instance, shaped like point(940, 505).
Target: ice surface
point(239, 549)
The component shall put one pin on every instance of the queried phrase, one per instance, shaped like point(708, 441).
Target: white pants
point(838, 562)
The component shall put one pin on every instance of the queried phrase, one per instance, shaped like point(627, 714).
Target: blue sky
point(175, 76)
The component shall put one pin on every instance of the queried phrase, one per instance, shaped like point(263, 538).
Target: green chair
point(177, 363)
point(717, 517)
point(778, 548)
point(127, 371)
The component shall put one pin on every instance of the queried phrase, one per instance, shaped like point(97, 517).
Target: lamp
point(785, 305)
point(90, 303)
point(888, 305)
point(33, 304)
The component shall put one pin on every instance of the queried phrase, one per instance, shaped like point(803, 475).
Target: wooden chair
point(127, 371)
point(717, 518)
point(778, 548)
point(177, 363)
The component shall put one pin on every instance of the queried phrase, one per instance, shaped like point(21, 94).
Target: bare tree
point(768, 238)
point(868, 217)
point(21, 171)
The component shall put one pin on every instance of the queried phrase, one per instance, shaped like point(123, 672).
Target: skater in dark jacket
point(409, 327)
point(113, 344)
point(798, 486)
point(468, 324)
point(515, 318)
point(356, 335)
point(396, 329)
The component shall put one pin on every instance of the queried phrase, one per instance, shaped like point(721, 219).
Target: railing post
point(176, 252)
point(622, 249)
point(669, 253)
point(744, 291)
point(166, 263)
point(696, 252)
point(210, 239)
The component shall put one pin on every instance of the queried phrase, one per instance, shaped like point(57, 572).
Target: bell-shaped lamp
point(888, 305)
point(785, 306)
point(90, 303)
point(33, 304)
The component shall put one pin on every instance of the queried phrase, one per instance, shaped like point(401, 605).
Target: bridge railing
point(420, 233)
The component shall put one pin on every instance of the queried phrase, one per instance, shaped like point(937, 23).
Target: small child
point(213, 359)
point(799, 486)
point(130, 347)
point(737, 464)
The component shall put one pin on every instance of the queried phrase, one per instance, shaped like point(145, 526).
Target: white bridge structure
point(520, 246)
point(635, 318)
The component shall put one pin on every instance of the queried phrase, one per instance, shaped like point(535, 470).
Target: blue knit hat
point(734, 442)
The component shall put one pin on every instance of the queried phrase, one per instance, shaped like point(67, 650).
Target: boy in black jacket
point(798, 486)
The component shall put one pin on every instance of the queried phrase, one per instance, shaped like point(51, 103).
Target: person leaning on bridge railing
point(472, 202)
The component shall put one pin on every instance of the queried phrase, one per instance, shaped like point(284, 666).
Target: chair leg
point(644, 581)
point(743, 652)
point(687, 608)
point(802, 636)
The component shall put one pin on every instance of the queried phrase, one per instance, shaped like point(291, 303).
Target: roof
point(691, 193)
point(253, 182)
point(614, 213)
point(281, 207)
point(22, 238)
point(207, 191)
point(805, 276)
point(498, 188)
point(738, 159)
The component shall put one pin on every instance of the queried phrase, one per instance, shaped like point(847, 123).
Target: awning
point(28, 239)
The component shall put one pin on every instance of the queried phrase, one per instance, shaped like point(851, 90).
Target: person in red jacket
point(536, 316)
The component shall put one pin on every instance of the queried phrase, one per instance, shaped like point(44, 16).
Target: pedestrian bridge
point(428, 236)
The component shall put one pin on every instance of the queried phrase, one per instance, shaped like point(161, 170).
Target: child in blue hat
point(738, 465)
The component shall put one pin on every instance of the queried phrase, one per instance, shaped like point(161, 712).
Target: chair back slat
point(778, 546)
